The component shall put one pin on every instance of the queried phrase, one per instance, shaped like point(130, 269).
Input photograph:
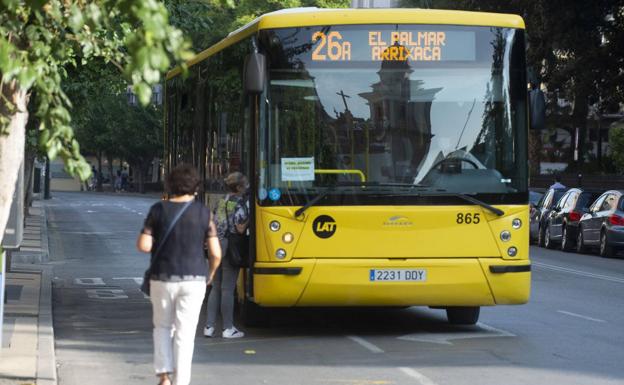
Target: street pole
point(577, 157)
point(46, 190)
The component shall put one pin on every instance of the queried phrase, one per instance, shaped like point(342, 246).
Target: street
point(569, 333)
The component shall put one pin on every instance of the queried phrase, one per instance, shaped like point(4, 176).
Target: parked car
point(540, 212)
point(561, 223)
point(602, 225)
point(534, 197)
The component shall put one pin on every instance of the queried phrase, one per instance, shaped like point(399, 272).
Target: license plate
point(398, 275)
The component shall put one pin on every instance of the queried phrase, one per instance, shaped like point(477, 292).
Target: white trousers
point(176, 307)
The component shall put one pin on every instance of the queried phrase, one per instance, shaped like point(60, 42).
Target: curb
point(45, 251)
point(46, 357)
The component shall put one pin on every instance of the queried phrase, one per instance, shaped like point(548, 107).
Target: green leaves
point(76, 20)
point(40, 39)
point(616, 146)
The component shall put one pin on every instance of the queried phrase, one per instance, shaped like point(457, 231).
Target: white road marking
point(371, 347)
point(421, 378)
point(137, 280)
point(89, 281)
point(580, 316)
point(577, 272)
point(106, 294)
point(481, 331)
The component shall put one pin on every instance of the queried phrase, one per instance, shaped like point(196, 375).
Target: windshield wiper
point(474, 200)
point(312, 202)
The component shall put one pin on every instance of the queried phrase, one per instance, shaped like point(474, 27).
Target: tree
point(616, 146)
point(141, 140)
point(224, 16)
point(40, 39)
point(96, 91)
point(575, 48)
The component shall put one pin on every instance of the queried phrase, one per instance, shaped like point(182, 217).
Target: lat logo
point(324, 226)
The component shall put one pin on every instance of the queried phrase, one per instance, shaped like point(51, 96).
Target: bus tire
point(253, 315)
point(463, 315)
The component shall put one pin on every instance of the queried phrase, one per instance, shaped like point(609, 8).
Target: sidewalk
point(27, 354)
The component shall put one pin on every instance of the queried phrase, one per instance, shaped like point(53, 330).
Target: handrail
point(339, 171)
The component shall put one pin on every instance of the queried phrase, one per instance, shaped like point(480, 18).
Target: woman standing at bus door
point(232, 215)
point(179, 273)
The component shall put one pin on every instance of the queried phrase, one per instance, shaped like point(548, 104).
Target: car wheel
point(540, 237)
point(580, 246)
point(548, 243)
point(606, 250)
point(566, 243)
point(463, 315)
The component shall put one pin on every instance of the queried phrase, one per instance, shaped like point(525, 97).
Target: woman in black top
point(179, 273)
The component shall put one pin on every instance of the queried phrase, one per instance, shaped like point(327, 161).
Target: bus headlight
point(274, 225)
point(280, 254)
point(505, 235)
point(512, 251)
point(516, 223)
point(288, 237)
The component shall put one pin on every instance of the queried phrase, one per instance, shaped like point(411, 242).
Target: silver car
point(602, 225)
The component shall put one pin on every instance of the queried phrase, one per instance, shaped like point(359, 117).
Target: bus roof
point(312, 16)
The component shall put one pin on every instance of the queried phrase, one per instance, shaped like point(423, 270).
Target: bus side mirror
point(537, 109)
point(255, 73)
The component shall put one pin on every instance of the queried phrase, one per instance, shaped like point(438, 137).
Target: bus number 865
point(467, 218)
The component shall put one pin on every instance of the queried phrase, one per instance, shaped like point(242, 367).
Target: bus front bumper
point(347, 282)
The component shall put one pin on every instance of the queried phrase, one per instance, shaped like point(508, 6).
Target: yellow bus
point(386, 151)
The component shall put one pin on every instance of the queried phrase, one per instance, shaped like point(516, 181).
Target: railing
point(339, 171)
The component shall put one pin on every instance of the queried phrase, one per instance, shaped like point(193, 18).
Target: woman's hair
point(235, 180)
point(183, 179)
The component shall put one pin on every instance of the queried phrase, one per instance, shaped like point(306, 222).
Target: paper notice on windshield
point(298, 169)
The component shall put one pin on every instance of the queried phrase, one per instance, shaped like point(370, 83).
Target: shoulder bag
point(237, 253)
point(145, 286)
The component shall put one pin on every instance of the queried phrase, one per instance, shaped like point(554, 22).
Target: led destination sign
point(379, 45)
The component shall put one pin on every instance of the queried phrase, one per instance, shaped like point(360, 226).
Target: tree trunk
point(11, 146)
point(139, 171)
point(29, 163)
point(113, 177)
point(99, 178)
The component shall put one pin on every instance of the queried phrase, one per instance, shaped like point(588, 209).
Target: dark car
point(603, 225)
point(534, 197)
point(540, 212)
point(561, 224)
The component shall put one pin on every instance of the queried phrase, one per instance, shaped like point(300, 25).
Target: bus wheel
point(253, 315)
point(468, 315)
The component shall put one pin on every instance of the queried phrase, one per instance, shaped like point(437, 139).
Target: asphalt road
point(570, 332)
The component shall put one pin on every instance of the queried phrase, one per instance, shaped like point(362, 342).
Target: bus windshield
point(393, 114)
